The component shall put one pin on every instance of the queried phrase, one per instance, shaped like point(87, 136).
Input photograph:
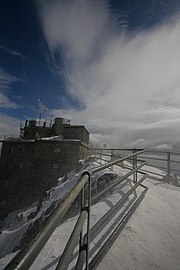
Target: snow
point(52, 138)
point(150, 239)
point(17, 223)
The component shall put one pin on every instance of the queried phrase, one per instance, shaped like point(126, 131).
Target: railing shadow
point(104, 236)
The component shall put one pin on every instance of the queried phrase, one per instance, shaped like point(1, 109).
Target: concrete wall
point(76, 133)
point(29, 169)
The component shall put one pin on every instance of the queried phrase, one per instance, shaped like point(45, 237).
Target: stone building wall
point(76, 132)
point(29, 169)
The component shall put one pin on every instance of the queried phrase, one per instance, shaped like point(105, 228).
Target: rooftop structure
point(31, 164)
point(61, 127)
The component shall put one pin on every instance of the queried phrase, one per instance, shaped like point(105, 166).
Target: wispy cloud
point(9, 126)
point(6, 80)
point(12, 52)
point(129, 84)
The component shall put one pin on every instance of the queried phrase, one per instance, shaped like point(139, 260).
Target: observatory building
point(31, 164)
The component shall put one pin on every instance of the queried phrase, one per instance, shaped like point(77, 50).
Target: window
point(55, 166)
point(21, 149)
point(7, 167)
point(56, 150)
point(10, 150)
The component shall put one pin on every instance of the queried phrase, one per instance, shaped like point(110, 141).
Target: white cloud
point(129, 84)
point(9, 126)
point(12, 52)
point(164, 147)
point(6, 80)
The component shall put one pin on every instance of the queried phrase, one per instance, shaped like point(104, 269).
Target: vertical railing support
point(26, 256)
point(81, 234)
point(85, 240)
point(101, 156)
point(88, 223)
point(134, 166)
point(168, 166)
point(112, 157)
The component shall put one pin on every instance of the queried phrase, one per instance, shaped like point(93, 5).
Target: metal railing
point(167, 162)
point(24, 259)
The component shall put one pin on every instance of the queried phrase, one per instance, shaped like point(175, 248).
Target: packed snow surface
point(150, 239)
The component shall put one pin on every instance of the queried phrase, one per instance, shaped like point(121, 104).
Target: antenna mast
point(51, 120)
point(46, 113)
point(37, 116)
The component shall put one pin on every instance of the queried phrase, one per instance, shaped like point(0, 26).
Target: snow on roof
point(52, 138)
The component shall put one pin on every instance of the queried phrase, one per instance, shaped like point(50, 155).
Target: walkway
point(151, 239)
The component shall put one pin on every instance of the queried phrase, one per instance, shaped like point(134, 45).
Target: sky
point(113, 66)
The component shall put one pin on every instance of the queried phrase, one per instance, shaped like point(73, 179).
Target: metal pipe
point(88, 224)
point(113, 210)
point(175, 161)
point(120, 179)
point(144, 171)
point(105, 219)
point(150, 172)
point(100, 168)
point(168, 166)
point(25, 257)
point(154, 158)
point(111, 239)
point(134, 167)
point(130, 149)
point(120, 149)
point(82, 205)
point(69, 249)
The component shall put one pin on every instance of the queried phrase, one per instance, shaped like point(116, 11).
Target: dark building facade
point(31, 165)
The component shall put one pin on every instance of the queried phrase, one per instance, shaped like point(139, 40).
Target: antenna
point(45, 113)
point(51, 120)
point(39, 118)
point(37, 109)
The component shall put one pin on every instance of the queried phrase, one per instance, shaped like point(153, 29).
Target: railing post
point(168, 166)
point(112, 154)
point(134, 166)
point(81, 234)
point(88, 224)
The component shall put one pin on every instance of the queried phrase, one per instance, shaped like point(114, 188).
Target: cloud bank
point(6, 80)
point(127, 83)
point(9, 126)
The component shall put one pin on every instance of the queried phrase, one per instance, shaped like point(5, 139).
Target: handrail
point(104, 220)
point(68, 252)
point(166, 160)
point(113, 236)
point(100, 168)
point(26, 256)
point(118, 181)
point(137, 149)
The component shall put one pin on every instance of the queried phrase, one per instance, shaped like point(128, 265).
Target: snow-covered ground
point(150, 240)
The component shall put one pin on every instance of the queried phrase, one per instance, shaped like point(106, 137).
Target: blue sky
point(95, 62)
